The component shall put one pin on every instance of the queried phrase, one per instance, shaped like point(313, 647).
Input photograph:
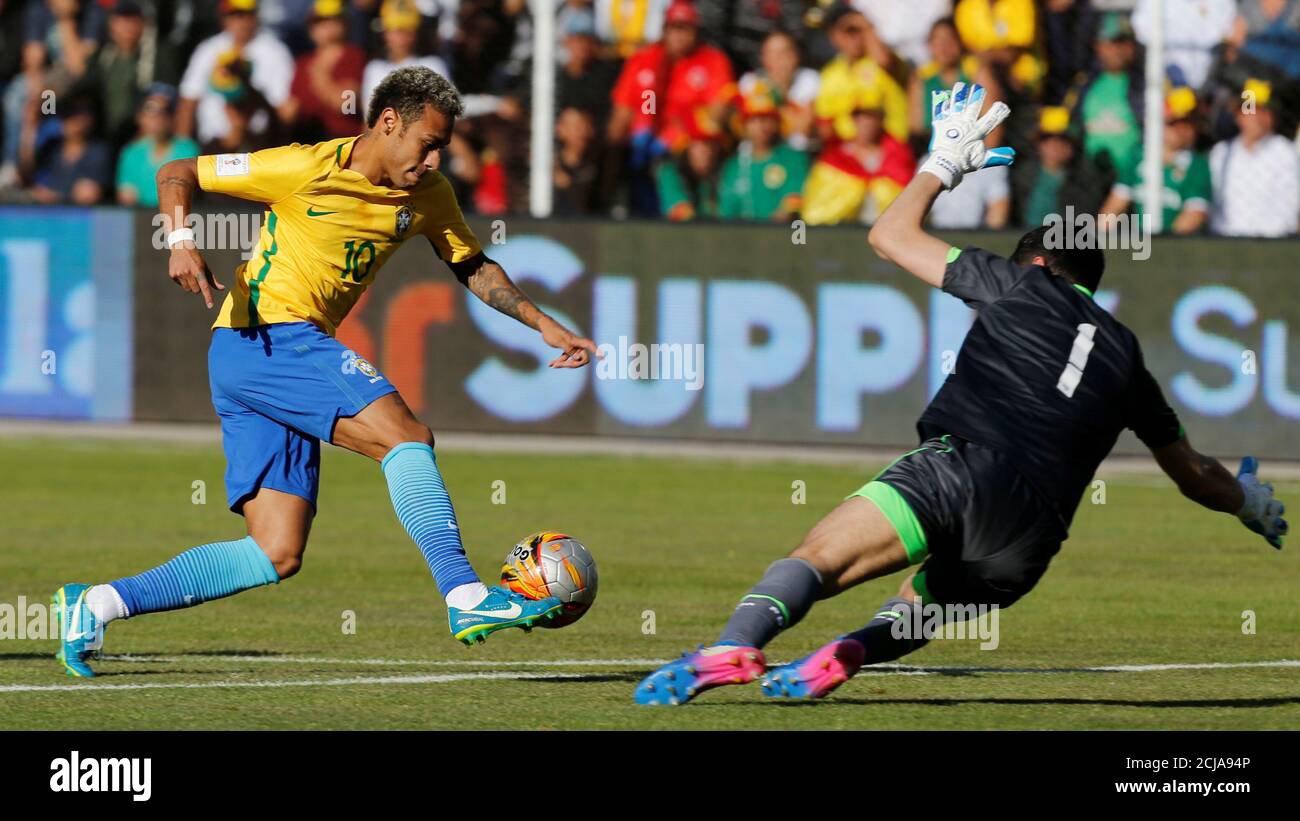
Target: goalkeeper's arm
point(900, 236)
point(957, 148)
point(1205, 481)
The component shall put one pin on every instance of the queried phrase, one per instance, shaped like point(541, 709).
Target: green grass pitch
point(1146, 579)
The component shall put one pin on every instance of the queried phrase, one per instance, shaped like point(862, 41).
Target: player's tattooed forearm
point(490, 284)
point(506, 299)
point(188, 185)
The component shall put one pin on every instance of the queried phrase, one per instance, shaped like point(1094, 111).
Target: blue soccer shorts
point(278, 390)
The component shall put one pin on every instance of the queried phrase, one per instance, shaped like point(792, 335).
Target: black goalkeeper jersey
point(1045, 377)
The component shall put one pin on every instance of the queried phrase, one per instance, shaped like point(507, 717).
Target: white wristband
point(180, 235)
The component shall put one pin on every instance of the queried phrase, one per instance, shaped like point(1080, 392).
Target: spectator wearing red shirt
point(668, 94)
point(324, 100)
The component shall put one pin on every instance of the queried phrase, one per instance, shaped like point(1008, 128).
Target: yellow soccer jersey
point(326, 232)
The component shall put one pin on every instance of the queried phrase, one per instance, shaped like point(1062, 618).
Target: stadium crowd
point(718, 109)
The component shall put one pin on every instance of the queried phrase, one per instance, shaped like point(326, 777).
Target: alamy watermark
point(933, 621)
point(1069, 231)
point(664, 361)
point(213, 232)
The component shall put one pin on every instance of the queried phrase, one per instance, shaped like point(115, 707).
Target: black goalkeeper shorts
point(984, 533)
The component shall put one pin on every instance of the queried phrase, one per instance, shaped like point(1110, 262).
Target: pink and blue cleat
point(677, 682)
point(816, 675)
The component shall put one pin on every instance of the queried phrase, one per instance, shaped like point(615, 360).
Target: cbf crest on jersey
point(404, 217)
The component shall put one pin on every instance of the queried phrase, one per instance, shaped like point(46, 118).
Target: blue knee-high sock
point(424, 508)
point(203, 573)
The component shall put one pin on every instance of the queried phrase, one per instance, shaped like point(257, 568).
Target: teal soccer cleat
point(80, 633)
point(500, 609)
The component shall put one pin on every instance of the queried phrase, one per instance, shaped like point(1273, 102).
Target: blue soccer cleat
point(500, 609)
point(677, 682)
point(80, 633)
point(816, 675)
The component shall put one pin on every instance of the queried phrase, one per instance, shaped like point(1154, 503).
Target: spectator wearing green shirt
point(1187, 192)
point(1110, 104)
point(687, 183)
point(1058, 176)
point(764, 179)
point(156, 146)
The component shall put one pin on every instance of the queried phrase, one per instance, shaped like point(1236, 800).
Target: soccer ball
point(552, 564)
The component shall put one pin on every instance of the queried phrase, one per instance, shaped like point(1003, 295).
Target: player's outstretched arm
point(490, 283)
point(899, 234)
point(1204, 480)
point(956, 148)
point(177, 182)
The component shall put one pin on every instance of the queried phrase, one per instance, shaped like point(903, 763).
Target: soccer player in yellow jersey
point(280, 381)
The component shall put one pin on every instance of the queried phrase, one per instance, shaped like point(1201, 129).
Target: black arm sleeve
point(466, 268)
point(978, 277)
point(1149, 415)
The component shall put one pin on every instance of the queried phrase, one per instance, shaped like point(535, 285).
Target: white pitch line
point(391, 662)
point(879, 669)
point(443, 678)
point(325, 682)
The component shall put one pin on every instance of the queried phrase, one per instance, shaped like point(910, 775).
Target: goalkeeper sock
point(203, 573)
point(106, 603)
point(423, 506)
point(781, 598)
point(883, 641)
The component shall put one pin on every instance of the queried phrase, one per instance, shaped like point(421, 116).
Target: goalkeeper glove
point(1260, 512)
point(957, 142)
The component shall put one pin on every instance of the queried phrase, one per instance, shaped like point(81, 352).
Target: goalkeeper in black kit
point(1045, 382)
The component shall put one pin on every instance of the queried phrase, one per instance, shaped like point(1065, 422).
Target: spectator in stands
point(59, 39)
point(1192, 30)
point(688, 181)
point(481, 49)
point(668, 95)
point(243, 105)
point(1069, 31)
point(1269, 31)
point(74, 167)
point(1057, 175)
point(1003, 33)
point(323, 100)
point(905, 25)
point(741, 27)
point(401, 22)
point(764, 179)
point(11, 40)
point(1256, 175)
point(793, 86)
point(585, 78)
point(1186, 195)
point(577, 172)
point(290, 22)
point(501, 139)
point(1110, 103)
point(133, 58)
point(948, 64)
point(202, 111)
point(156, 146)
point(627, 25)
point(855, 180)
point(853, 73)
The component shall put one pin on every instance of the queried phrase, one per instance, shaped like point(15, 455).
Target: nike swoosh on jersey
point(312, 213)
point(510, 612)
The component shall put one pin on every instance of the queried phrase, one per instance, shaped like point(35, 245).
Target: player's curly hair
point(408, 90)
